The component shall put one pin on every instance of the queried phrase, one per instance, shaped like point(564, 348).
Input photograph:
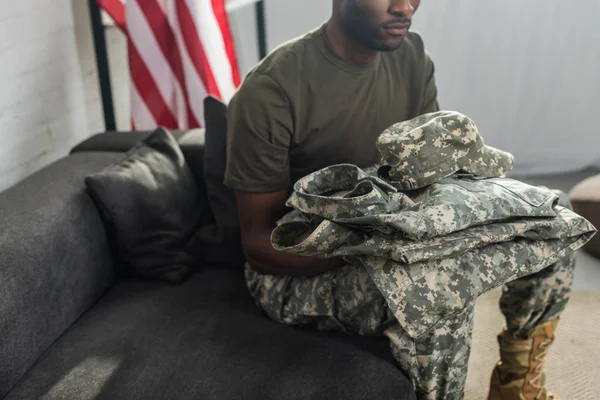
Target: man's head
point(378, 24)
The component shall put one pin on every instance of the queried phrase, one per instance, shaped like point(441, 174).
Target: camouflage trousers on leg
point(535, 299)
point(541, 297)
point(346, 299)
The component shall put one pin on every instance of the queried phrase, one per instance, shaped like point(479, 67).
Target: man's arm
point(259, 130)
point(258, 214)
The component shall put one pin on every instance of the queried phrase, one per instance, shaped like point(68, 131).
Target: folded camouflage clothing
point(436, 224)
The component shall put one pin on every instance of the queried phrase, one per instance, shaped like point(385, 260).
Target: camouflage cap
point(433, 146)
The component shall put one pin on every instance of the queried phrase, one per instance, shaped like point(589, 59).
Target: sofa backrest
point(55, 260)
point(191, 142)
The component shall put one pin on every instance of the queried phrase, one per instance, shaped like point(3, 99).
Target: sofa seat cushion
point(585, 199)
point(205, 339)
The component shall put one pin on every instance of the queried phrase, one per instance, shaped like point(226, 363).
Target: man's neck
point(345, 47)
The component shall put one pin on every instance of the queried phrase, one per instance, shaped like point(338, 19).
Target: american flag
point(179, 51)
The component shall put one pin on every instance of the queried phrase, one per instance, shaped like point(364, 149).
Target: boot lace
point(535, 382)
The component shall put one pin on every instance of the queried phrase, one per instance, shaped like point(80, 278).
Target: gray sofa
point(71, 328)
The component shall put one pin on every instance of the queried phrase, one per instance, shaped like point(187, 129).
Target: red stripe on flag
point(223, 20)
point(195, 49)
point(116, 10)
point(148, 90)
point(165, 37)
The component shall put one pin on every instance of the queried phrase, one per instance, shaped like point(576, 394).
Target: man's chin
point(390, 45)
point(382, 43)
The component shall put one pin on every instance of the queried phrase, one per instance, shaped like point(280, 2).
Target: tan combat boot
point(519, 375)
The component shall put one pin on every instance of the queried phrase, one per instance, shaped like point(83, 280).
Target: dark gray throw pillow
point(218, 242)
point(151, 207)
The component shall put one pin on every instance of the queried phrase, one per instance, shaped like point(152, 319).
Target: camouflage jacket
point(448, 237)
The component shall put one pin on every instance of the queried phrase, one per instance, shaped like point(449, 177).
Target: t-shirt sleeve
point(259, 129)
point(430, 100)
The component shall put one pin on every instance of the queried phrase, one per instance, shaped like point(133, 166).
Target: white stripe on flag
point(195, 88)
point(143, 39)
point(212, 40)
point(142, 118)
point(181, 116)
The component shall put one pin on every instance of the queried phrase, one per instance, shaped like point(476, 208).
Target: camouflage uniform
point(425, 234)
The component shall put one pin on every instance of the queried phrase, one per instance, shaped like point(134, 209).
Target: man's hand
point(258, 214)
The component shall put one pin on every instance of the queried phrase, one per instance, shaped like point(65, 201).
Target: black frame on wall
point(99, 38)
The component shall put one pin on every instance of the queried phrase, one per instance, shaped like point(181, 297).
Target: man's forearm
point(265, 259)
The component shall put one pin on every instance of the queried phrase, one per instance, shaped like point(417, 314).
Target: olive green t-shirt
point(304, 108)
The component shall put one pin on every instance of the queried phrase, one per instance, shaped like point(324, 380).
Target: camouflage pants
point(347, 300)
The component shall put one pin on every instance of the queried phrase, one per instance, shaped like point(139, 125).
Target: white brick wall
point(49, 99)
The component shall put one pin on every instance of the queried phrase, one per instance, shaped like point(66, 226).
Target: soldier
point(323, 99)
